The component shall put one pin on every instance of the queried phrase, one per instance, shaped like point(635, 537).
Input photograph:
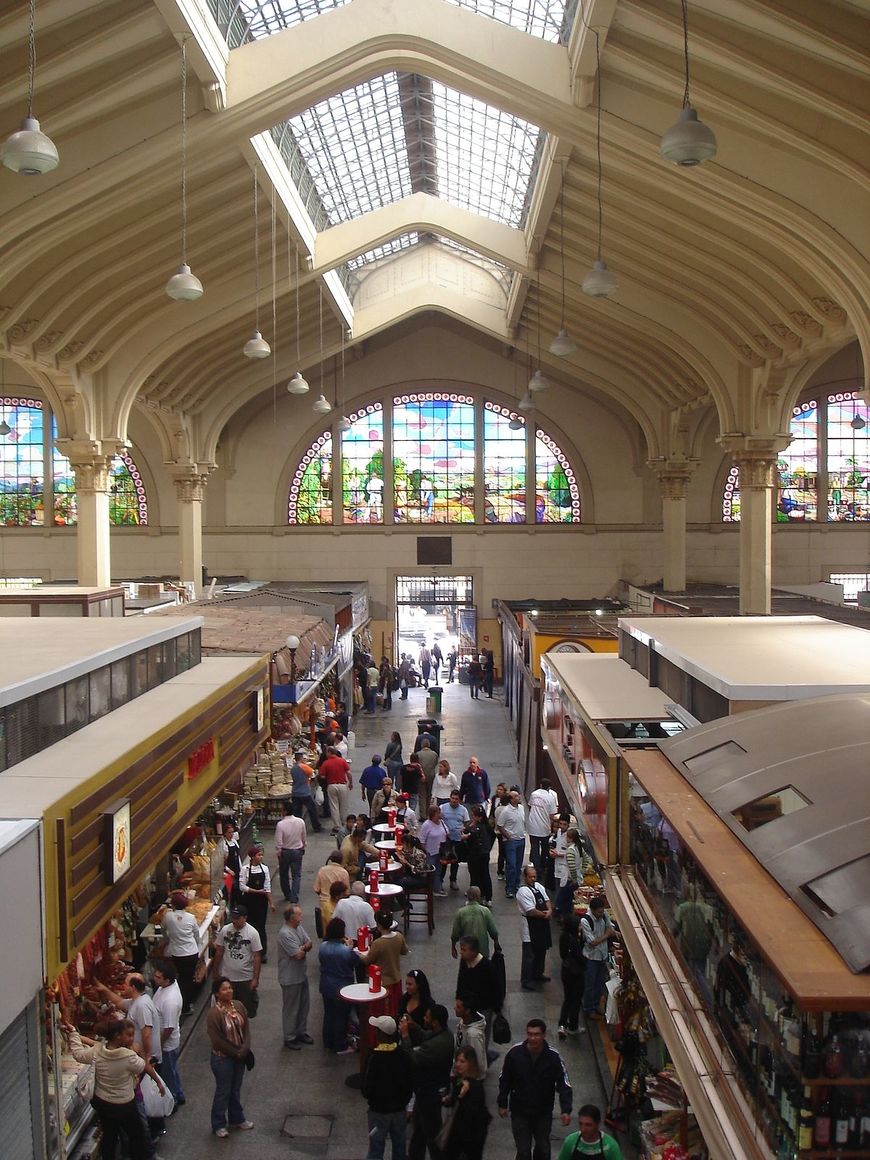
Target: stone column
point(190, 489)
point(673, 477)
point(93, 548)
point(756, 459)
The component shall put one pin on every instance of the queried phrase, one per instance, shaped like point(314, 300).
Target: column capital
point(91, 460)
point(190, 487)
point(756, 456)
point(674, 475)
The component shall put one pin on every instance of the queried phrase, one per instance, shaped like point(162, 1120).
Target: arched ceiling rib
point(755, 257)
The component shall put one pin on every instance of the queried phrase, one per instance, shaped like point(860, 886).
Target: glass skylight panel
point(546, 19)
point(354, 147)
point(402, 242)
point(243, 20)
point(485, 157)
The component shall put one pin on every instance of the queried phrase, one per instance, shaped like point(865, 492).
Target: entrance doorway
point(435, 608)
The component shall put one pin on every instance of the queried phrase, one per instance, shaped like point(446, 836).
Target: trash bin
point(433, 701)
point(429, 727)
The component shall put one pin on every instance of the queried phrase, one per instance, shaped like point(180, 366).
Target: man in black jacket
point(532, 1074)
point(431, 1050)
point(388, 1088)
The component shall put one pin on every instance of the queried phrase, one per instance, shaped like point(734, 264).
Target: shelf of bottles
point(807, 1075)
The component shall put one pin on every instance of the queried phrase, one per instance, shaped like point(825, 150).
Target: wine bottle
point(864, 1125)
point(840, 1127)
point(833, 1057)
point(807, 1123)
point(812, 1065)
point(822, 1134)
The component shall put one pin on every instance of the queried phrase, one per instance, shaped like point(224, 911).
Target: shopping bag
point(155, 1104)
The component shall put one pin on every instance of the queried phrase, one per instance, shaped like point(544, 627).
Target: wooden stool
point(420, 894)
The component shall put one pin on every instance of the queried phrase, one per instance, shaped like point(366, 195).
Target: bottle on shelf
point(812, 1063)
point(822, 1131)
point(863, 1117)
point(807, 1123)
point(860, 1065)
point(832, 1057)
point(840, 1123)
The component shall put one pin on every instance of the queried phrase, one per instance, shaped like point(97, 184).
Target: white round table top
point(385, 889)
point(360, 993)
point(391, 866)
point(384, 828)
point(385, 845)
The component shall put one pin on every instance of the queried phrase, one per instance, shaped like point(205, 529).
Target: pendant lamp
point(599, 282)
point(184, 286)
point(562, 345)
point(29, 151)
point(322, 405)
point(689, 141)
point(526, 403)
point(256, 346)
point(297, 385)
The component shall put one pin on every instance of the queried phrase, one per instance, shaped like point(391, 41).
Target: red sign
point(200, 758)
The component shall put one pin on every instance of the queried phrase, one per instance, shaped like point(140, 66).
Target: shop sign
point(201, 758)
point(116, 840)
point(260, 710)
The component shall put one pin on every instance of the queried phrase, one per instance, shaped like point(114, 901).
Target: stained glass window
point(848, 458)
point(433, 459)
point(826, 468)
point(362, 467)
point(504, 467)
point(22, 459)
point(557, 496)
point(439, 468)
point(311, 488)
point(128, 502)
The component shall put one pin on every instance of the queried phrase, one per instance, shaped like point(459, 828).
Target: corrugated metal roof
point(792, 782)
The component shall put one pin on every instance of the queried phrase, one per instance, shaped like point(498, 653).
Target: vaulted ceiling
point(419, 155)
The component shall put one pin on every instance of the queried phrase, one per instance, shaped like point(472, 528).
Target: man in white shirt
point(141, 1011)
point(543, 807)
point(536, 911)
point(511, 824)
point(354, 911)
point(169, 1002)
point(238, 957)
point(290, 841)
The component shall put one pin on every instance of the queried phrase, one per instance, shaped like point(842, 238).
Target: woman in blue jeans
point(337, 963)
point(230, 1036)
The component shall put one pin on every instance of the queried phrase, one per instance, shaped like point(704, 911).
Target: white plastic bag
point(155, 1104)
point(351, 739)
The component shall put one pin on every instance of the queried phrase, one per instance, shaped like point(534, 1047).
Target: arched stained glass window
point(557, 496)
point(362, 466)
point(825, 471)
point(311, 488)
point(23, 452)
point(438, 458)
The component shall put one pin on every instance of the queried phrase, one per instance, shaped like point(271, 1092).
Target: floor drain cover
point(307, 1127)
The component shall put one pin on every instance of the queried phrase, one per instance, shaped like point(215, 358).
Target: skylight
point(546, 19)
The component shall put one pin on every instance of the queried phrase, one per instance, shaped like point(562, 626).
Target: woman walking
point(466, 1136)
point(117, 1068)
point(393, 756)
point(255, 886)
point(229, 1034)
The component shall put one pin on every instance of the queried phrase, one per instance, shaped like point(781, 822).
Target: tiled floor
point(303, 1093)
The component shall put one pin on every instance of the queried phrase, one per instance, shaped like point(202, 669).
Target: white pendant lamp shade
point(516, 424)
point(322, 406)
point(298, 385)
point(184, 286)
point(689, 141)
point(344, 424)
point(526, 403)
point(563, 344)
point(599, 282)
point(537, 382)
point(29, 151)
point(256, 347)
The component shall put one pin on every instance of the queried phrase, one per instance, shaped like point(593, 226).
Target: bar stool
point(420, 893)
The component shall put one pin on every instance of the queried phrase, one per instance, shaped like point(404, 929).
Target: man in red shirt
point(336, 771)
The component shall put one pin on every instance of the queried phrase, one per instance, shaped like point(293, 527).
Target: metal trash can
point(429, 727)
point(433, 701)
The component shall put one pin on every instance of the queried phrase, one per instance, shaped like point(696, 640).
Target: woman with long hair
point(117, 1068)
point(444, 784)
point(416, 998)
point(393, 756)
point(466, 1136)
point(229, 1034)
point(576, 862)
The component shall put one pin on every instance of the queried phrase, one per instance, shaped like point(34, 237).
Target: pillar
point(673, 477)
point(93, 546)
point(757, 477)
point(190, 489)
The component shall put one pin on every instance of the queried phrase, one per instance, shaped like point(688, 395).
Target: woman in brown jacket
point(230, 1036)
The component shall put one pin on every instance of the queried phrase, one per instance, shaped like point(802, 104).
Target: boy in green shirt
point(590, 1140)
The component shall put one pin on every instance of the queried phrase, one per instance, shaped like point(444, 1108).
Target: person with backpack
point(590, 1140)
point(597, 931)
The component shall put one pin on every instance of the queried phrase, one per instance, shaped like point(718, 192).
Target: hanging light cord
point(538, 297)
point(598, 137)
point(298, 323)
point(341, 324)
point(562, 238)
point(322, 384)
point(184, 152)
point(31, 58)
point(686, 50)
point(274, 307)
point(257, 253)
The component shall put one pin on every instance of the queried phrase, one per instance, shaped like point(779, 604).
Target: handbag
point(250, 1061)
point(447, 854)
point(443, 1137)
point(318, 794)
point(501, 1029)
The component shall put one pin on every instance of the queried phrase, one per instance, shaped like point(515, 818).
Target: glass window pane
point(128, 503)
point(22, 477)
point(76, 692)
point(155, 665)
point(139, 683)
point(120, 683)
point(170, 654)
point(848, 458)
point(504, 467)
point(100, 692)
point(362, 467)
point(195, 647)
point(433, 459)
point(557, 496)
point(311, 488)
point(182, 653)
point(798, 495)
point(52, 722)
point(548, 19)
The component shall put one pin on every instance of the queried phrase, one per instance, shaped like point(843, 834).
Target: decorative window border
point(296, 485)
point(562, 459)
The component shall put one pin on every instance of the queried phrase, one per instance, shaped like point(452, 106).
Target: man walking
point(590, 1140)
point(531, 1076)
point(437, 658)
point(290, 842)
point(302, 797)
point(388, 1087)
point(454, 815)
point(430, 1048)
point(427, 759)
point(543, 807)
point(536, 910)
point(294, 946)
point(597, 931)
point(511, 824)
point(169, 1003)
point(474, 920)
point(335, 771)
point(238, 957)
point(425, 664)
